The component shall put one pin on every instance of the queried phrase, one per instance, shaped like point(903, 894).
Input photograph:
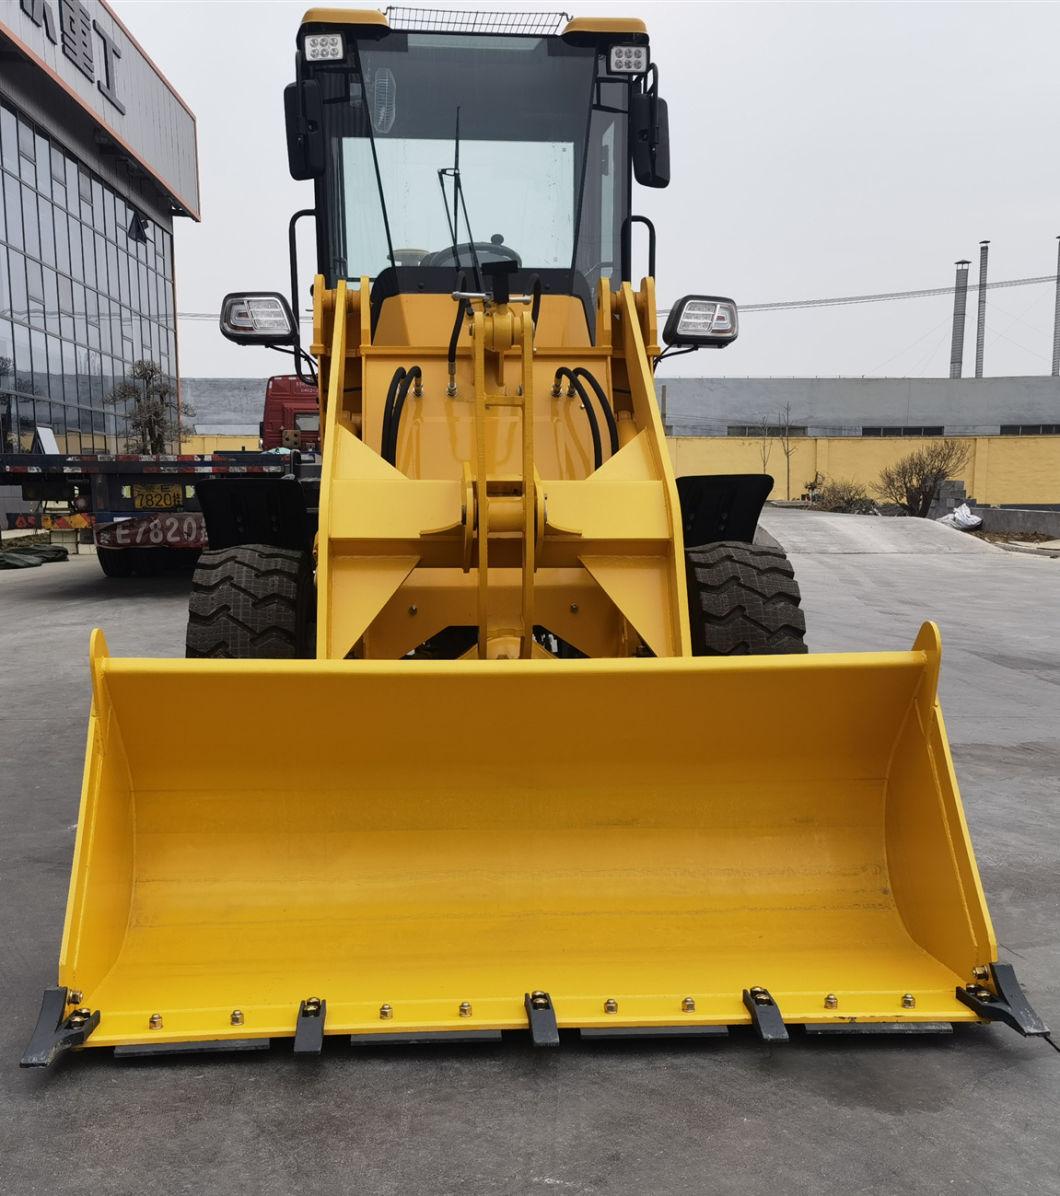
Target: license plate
point(182, 530)
point(164, 496)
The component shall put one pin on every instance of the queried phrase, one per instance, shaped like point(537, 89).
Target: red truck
point(292, 415)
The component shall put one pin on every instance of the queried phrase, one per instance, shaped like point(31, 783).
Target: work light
point(322, 46)
point(628, 60)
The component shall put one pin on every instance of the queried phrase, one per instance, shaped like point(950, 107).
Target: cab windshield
point(456, 150)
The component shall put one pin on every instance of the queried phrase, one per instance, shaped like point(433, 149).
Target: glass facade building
point(86, 290)
point(97, 156)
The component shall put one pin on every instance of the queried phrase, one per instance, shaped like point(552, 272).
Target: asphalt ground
point(975, 1111)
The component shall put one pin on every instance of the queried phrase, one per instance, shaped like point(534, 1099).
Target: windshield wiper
point(453, 172)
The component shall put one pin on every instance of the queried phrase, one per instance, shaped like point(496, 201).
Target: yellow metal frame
point(386, 532)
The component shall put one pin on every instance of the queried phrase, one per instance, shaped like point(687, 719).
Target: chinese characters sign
point(69, 23)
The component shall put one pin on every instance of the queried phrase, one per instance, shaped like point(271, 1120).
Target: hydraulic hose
point(462, 307)
point(535, 309)
point(413, 375)
point(388, 409)
point(590, 414)
point(609, 415)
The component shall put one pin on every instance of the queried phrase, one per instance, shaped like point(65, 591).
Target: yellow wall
point(214, 444)
point(1001, 469)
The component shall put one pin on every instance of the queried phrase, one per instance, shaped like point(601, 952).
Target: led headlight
point(261, 318)
point(703, 321)
point(628, 60)
point(319, 47)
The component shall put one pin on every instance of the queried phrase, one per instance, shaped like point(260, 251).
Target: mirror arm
point(292, 244)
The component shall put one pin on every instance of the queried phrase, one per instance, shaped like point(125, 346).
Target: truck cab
point(292, 415)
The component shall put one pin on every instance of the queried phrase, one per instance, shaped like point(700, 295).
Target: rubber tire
point(743, 600)
point(251, 603)
point(115, 562)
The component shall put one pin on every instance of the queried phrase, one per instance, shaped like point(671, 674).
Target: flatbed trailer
point(145, 511)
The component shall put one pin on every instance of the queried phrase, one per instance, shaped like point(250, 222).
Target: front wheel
point(743, 600)
point(251, 603)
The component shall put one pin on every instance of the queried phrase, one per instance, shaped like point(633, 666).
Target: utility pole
point(1056, 317)
point(960, 304)
point(980, 329)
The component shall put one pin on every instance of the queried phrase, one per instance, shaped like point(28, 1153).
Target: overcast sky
point(817, 150)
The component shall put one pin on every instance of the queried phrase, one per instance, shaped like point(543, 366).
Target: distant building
point(98, 154)
point(861, 406)
point(226, 413)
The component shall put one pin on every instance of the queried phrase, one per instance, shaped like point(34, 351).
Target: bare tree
point(787, 446)
point(764, 429)
point(914, 481)
point(156, 411)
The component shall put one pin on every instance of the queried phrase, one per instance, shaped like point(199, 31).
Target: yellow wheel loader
point(497, 725)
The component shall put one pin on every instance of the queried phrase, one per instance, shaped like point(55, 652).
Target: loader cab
point(438, 152)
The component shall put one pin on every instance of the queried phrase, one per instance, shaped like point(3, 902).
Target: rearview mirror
point(303, 110)
point(649, 133)
point(258, 318)
point(702, 322)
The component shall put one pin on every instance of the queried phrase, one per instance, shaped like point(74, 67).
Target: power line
point(882, 297)
point(783, 305)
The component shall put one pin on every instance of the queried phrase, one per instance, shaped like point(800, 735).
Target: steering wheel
point(485, 251)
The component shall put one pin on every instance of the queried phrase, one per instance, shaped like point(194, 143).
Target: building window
point(776, 431)
point(84, 292)
point(1030, 429)
point(904, 430)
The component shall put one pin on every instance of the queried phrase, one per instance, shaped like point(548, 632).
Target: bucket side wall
point(933, 873)
point(101, 883)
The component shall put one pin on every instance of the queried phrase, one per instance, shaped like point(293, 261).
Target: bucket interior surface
point(423, 837)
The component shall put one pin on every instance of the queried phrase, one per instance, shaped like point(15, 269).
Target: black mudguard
point(722, 506)
point(255, 510)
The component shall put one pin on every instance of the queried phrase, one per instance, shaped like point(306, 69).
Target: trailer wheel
point(115, 562)
point(743, 600)
point(252, 603)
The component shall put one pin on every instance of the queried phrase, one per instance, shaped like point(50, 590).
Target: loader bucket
point(421, 845)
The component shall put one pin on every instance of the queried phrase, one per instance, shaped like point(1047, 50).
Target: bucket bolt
point(413, 609)
point(908, 1001)
point(538, 999)
point(155, 1021)
point(79, 1017)
point(237, 1017)
point(610, 1005)
point(761, 996)
point(688, 1005)
point(386, 1012)
point(831, 1001)
point(465, 1008)
point(75, 997)
point(312, 1006)
point(980, 973)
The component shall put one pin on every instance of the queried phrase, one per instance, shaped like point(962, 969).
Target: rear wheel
point(115, 562)
point(743, 600)
point(251, 602)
